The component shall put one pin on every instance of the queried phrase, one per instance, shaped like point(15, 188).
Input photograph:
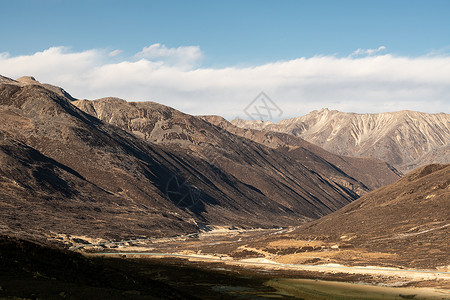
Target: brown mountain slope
point(370, 172)
point(247, 185)
point(267, 172)
point(40, 196)
point(438, 155)
point(399, 138)
point(405, 224)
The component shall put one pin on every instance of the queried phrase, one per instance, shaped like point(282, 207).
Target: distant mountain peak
point(406, 139)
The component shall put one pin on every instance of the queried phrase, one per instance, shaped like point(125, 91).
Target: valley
point(181, 206)
point(139, 275)
point(242, 150)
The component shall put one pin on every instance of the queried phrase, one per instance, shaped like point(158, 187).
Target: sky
point(216, 57)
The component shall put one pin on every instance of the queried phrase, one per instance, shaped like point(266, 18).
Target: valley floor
point(388, 277)
point(217, 264)
point(238, 250)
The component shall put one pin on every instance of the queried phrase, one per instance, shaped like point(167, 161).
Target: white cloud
point(115, 52)
point(360, 51)
point(184, 56)
point(4, 55)
point(374, 83)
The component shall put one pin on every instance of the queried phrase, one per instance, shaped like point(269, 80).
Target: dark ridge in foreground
point(32, 271)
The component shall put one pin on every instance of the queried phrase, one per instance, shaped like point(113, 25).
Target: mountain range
point(404, 139)
point(372, 172)
point(304, 197)
point(114, 169)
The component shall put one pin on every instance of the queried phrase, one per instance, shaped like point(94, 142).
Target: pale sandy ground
point(318, 289)
point(414, 275)
point(392, 278)
point(437, 280)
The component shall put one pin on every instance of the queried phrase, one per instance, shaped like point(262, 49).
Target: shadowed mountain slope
point(166, 173)
point(224, 155)
point(40, 196)
point(370, 172)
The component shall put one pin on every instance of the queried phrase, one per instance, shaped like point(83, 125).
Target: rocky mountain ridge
point(371, 172)
point(404, 139)
point(30, 80)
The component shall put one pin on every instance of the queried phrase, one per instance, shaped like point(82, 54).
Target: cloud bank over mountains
point(368, 80)
point(187, 57)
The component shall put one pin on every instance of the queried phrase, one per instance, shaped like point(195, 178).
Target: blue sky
point(229, 32)
point(226, 34)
